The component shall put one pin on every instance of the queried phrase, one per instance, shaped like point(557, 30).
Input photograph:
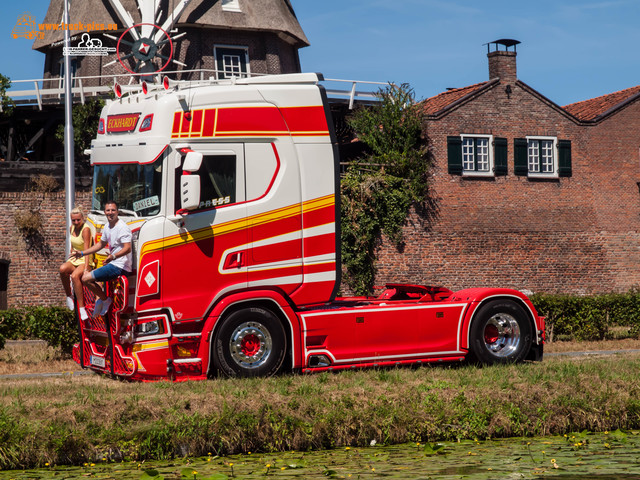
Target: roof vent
point(505, 42)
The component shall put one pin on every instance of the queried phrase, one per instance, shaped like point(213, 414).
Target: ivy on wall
point(378, 190)
point(29, 220)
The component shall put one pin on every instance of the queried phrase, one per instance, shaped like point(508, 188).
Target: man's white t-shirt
point(116, 237)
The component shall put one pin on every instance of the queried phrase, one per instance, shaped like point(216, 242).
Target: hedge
point(589, 317)
point(567, 317)
point(56, 325)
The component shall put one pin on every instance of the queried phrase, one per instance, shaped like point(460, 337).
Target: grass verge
point(72, 420)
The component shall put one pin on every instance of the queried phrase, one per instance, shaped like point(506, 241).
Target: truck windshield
point(133, 186)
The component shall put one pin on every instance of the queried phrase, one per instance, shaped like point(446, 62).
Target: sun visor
point(142, 154)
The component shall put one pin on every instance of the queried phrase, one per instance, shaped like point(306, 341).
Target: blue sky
point(570, 51)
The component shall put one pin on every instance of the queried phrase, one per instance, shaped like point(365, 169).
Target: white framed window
point(231, 5)
point(542, 158)
point(477, 155)
point(231, 61)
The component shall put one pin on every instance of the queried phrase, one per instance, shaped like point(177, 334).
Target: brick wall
point(571, 235)
point(33, 266)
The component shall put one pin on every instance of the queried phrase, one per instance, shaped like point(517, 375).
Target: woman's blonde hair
point(77, 210)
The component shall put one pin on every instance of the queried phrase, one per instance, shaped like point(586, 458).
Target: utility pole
point(69, 170)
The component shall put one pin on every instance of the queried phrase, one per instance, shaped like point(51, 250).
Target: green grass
point(72, 420)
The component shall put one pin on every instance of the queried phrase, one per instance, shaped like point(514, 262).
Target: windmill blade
point(171, 19)
point(110, 63)
point(176, 37)
point(125, 17)
point(126, 42)
point(147, 14)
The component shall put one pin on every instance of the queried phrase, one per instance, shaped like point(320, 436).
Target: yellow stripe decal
point(236, 225)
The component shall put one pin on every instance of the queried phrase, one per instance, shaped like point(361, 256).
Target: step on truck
point(231, 191)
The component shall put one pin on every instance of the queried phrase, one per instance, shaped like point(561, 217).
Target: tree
point(85, 124)
point(5, 102)
point(379, 189)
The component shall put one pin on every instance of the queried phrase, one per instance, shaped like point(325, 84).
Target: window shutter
point(564, 158)
point(520, 163)
point(454, 153)
point(500, 155)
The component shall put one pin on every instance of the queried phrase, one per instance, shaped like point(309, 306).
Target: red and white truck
point(231, 191)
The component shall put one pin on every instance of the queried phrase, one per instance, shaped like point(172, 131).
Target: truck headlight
point(154, 326)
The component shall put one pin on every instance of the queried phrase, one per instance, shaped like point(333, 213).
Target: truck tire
point(250, 343)
point(500, 333)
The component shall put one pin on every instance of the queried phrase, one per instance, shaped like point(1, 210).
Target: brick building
point(529, 194)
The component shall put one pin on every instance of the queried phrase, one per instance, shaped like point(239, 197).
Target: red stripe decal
point(320, 268)
point(176, 123)
point(319, 245)
point(278, 251)
point(196, 124)
point(305, 119)
point(250, 121)
point(279, 226)
point(285, 271)
point(209, 122)
point(321, 216)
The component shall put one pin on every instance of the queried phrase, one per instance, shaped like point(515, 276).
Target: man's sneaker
point(70, 304)
point(105, 306)
point(97, 307)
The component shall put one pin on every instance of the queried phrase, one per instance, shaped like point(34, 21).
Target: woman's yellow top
point(77, 243)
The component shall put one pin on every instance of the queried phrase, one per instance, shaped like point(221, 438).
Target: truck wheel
point(500, 333)
point(250, 343)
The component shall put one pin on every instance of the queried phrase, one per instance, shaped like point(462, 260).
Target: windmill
point(146, 44)
point(264, 35)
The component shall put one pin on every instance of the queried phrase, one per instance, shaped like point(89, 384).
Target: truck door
point(205, 250)
point(275, 216)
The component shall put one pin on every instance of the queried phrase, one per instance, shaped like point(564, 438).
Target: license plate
point(97, 361)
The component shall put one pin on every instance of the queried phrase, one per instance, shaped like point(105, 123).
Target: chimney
point(502, 63)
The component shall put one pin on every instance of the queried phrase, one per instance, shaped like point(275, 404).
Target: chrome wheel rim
point(502, 335)
point(250, 345)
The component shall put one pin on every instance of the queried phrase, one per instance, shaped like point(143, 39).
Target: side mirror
point(189, 191)
point(192, 162)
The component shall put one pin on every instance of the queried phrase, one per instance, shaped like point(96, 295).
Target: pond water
point(601, 456)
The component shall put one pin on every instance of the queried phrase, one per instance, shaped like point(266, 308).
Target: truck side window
point(217, 180)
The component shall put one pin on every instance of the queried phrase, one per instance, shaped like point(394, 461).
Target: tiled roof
point(441, 101)
point(595, 107)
